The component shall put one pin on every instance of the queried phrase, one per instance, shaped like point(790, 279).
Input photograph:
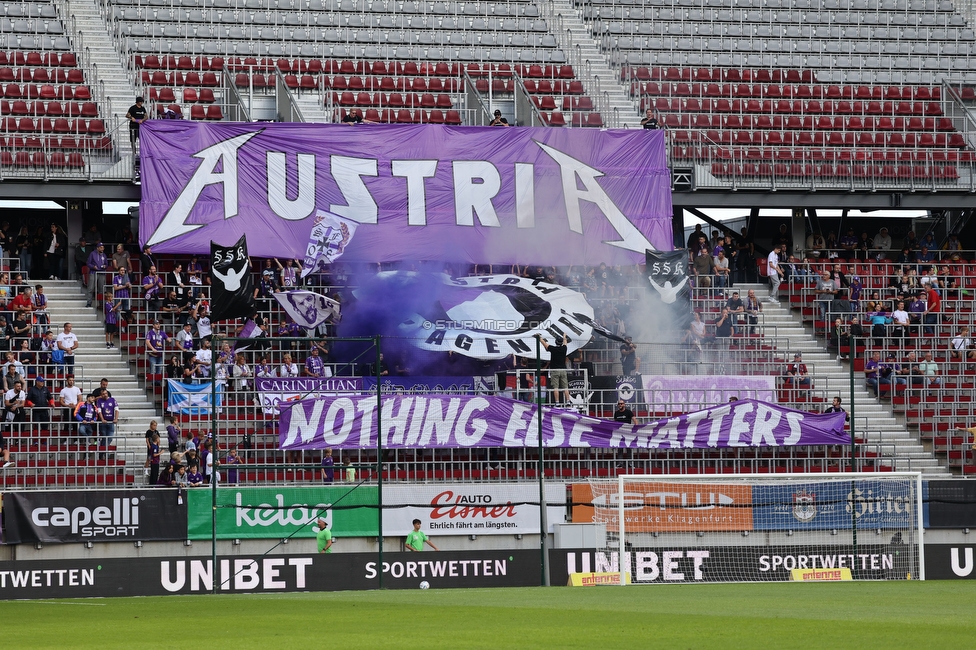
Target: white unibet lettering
point(957, 567)
point(646, 569)
point(525, 195)
point(347, 173)
point(246, 574)
point(271, 570)
point(762, 428)
point(304, 202)
point(222, 154)
point(671, 565)
point(300, 429)
point(575, 172)
point(415, 171)
point(699, 557)
point(201, 575)
point(300, 563)
point(169, 585)
point(472, 198)
point(478, 425)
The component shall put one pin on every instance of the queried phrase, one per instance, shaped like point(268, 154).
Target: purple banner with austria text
point(415, 192)
point(451, 421)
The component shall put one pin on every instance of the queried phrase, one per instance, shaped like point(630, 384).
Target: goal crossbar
point(915, 478)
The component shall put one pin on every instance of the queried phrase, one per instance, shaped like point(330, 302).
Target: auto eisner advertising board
point(265, 574)
point(97, 516)
point(663, 506)
point(277, 512)
point(472, 509)
point(666, 564)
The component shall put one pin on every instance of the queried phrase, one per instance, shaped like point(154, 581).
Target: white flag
point(306, 308)
point(327, 241)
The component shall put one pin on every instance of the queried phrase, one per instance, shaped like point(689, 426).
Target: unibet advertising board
point(278, 512)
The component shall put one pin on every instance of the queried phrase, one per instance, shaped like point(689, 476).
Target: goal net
point(758, 527)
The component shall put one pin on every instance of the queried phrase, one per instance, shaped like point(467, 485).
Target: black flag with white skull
point(667, 272)
point(233, 288)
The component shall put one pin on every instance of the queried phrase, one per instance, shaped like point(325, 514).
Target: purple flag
point(417, 192)
point(451, 421)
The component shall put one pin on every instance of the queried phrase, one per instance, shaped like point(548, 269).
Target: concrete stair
point(592, 66)
point(108, 72)
point(873, 420)
point(66, 303)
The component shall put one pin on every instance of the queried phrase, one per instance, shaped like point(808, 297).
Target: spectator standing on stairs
point(97, 265)
point(136, 115)
point(774, 273)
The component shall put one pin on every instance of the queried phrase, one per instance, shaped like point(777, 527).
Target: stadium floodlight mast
point(810, 522)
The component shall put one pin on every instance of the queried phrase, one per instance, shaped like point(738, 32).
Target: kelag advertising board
point(278, 512)
point(265, 574)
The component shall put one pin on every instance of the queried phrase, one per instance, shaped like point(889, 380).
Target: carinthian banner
point(97, 516)
point(275, 513)
point(233, 288)
point(274, 390)
point(416, 192)
point(452, 421)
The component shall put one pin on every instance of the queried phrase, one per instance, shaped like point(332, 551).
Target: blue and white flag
point(191, 399)
point(328, 240)
point(307, 308)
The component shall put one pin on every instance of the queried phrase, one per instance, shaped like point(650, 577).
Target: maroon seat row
point(48, 125)
point(349, 67)
point(805, 123)
point(823, 138)
point(392, 100)
point(718, 75)
point(856, 171)
point(41, 75)
point(789, 107)
point(776, 91)
point(38, 59)
point(40, 108)
point(190, 95)
point(46, 91)
point(38, 159)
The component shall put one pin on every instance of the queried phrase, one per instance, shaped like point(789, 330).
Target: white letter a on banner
point(224, 154)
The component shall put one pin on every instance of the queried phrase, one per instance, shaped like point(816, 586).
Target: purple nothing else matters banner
point(447, 421)
point(406, 192)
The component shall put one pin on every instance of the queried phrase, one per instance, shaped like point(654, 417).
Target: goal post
point(761, 527)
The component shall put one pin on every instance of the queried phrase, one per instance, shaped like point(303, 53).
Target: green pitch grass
point(753, 616)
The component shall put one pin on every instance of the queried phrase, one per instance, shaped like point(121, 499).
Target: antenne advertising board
point(666, 507)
